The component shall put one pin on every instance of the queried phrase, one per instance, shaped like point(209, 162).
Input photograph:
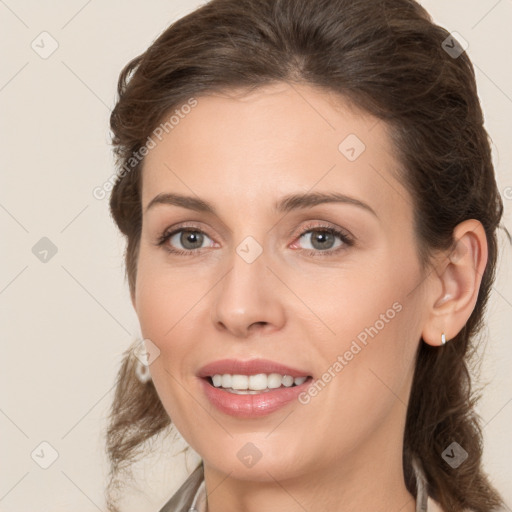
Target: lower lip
point(252, 406)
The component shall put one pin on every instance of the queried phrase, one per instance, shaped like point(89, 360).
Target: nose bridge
point(246, 295)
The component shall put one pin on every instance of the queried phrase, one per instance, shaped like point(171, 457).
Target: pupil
point(193, 238)
point(322, 237)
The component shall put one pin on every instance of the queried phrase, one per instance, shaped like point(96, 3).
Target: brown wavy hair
point(386, 57)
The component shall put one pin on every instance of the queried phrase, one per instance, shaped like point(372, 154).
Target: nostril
point(261, 324)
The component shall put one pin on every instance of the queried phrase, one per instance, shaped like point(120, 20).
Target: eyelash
point(347, 240)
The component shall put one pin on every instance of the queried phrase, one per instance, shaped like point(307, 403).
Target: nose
point(247, 299)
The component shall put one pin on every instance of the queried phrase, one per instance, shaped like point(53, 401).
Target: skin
point(241, 153)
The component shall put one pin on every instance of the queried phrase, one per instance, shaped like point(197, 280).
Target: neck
point(369, 477)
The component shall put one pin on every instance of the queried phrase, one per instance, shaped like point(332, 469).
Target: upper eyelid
point(310, 226)
point(302, 230)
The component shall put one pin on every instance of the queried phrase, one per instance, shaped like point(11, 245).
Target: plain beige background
point(66, 320)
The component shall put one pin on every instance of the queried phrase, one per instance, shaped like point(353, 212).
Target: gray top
point(191, 496)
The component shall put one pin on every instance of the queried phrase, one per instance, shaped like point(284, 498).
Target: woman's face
point(260, 281)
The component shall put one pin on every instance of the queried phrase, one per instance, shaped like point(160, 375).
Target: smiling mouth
point(255, 384)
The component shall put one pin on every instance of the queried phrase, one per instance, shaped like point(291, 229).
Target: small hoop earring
point(443, 339)
point(142, 372)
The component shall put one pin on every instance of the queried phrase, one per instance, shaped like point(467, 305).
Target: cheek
point(360, 301)
point(164, 296)
point(169, 308)
point(366, 372)
point(370, 331)
point(165, 309)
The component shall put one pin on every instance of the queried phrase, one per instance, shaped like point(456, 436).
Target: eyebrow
point(284, 205)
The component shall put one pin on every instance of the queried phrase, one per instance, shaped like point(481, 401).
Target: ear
point(453, 286)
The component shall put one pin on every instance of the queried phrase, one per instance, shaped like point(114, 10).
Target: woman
point(310, 208)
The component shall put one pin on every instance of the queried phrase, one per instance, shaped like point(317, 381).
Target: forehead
point(240, 148)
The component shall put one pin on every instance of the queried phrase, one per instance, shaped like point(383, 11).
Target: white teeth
point(258, 382)
point(287, 381)
point(274, 380)
point(226, 380)
point(239, 381)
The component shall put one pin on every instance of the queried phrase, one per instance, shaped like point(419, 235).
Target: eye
point(320, 239)
point(314, 241)
point(324, 239)
point(184, 241)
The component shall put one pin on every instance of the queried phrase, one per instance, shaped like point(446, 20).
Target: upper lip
point(250, 367)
